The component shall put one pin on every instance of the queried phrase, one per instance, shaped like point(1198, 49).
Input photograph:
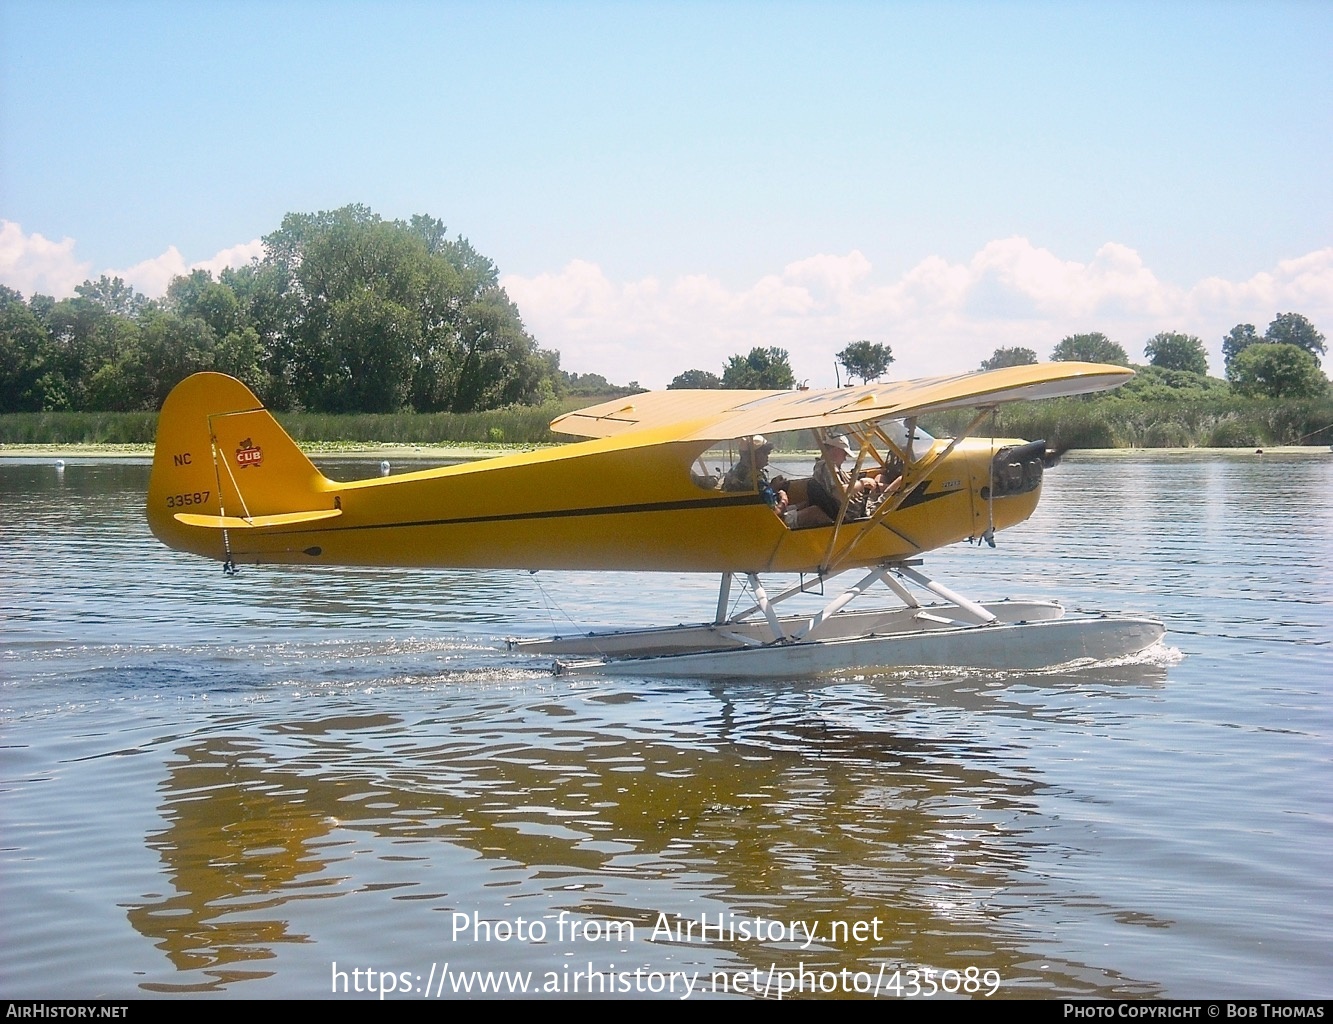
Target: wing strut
point(915, 472)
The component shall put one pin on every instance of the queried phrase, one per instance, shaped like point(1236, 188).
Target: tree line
point(345, 312)
point(769, 369)
point(1283, 362)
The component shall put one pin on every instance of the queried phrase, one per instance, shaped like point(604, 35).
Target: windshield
point(896, 431)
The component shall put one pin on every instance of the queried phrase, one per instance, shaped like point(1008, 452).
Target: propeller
point(1052, 456)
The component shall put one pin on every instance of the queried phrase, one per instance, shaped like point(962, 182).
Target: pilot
point(830, 484)
point(751, 473)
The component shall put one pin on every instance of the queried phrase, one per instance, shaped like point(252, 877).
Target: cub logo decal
point(248, 454)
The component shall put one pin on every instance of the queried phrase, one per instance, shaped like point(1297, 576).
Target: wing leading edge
point(720, 415)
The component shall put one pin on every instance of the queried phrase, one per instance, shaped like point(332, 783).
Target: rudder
point(221, 457)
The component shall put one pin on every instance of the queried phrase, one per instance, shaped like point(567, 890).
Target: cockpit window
point(710, 467)
point(738, 465)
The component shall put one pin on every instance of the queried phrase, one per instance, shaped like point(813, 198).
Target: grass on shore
point(518, 425)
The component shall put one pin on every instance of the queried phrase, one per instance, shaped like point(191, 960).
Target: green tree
point(1174, 351)
point(584, 384)
point(427, 323)
point(32, 366)
point(500, 363)
point(763, 369)
point(1089, 348)
point(1009, 357)
point(24, 345)
point(240, 355)
point(237, 347)
point(84, 336)
point(268, 306)
point(1237, 340)
point(1156, 384)
point(590, 385)
point(1294, 329)
point(198, 295)
point(154, 353)
point(368, 341)
point(866, 360)
point(696, 379)
point(1277, 371)
point(113, 295)
point(346, 312)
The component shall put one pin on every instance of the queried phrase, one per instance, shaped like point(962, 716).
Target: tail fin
point(222, 462)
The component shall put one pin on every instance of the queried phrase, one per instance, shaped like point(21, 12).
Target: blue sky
point(664, 184)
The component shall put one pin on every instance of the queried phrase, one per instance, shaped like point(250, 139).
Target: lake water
point(244, 786)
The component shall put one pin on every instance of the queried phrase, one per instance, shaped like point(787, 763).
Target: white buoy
point(60, 465)
point(384, 468)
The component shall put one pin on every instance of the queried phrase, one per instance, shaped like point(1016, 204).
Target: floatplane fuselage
point(230, 484)
point(644, 492)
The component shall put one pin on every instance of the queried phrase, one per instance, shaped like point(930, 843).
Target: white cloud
point(1303, 284)
point(151, 277)
point(235, 256)
point(33, 264)
point(939, 317)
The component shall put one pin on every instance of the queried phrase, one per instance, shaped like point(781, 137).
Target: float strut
point(723, 596)
point(762, 599)
point(971, 607)
point(903, 594)
point(814, 626)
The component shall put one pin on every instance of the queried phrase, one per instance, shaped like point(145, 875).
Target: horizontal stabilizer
point(255, 522)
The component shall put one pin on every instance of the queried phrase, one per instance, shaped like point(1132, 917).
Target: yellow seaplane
point(677, 481)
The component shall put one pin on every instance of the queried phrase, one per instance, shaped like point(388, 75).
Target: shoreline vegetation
point(1077, 423)
point(357, 333)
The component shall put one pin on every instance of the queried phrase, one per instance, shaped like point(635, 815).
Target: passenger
point(751, 473)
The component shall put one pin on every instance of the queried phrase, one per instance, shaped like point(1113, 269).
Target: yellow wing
point(720, 415)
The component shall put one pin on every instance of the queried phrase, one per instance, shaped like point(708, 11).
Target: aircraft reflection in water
point(229, 484)
point(749, 805)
